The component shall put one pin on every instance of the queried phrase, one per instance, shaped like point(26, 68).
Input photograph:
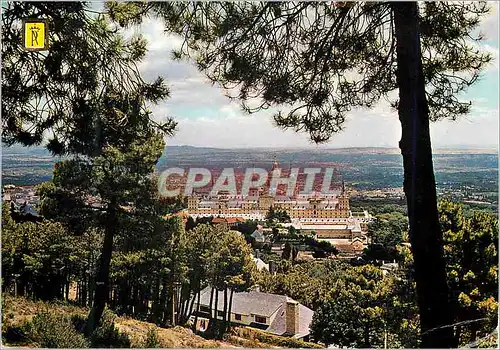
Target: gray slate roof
point(246, 303)
point(278, 326)
point(263, 304)
point(256, 234)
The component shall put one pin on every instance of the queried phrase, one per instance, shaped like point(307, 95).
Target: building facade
point(257, 207)
point(326, 217)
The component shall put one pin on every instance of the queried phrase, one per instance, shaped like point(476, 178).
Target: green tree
point(310, 283)
point(232, 269)
point(87, 96)
point(471, 250)
point(287, 251)
point(202, 240)
point(271, 214)
point(354, 315)
point(321, 61)
point(58, 93)
point(40, 260)
point(278, 215)
point(471, 253)
point(386, 232)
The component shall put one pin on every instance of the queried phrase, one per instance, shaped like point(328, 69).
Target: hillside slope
point(17, 311)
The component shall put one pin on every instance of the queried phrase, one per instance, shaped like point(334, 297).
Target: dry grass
point(177, 337)
point(17, 311)
point(271, 340)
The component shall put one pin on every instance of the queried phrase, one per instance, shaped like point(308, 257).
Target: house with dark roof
point(258, 235)
point(272, 313)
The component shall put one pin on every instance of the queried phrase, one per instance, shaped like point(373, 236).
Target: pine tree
point(84, 98)
point(319, 61)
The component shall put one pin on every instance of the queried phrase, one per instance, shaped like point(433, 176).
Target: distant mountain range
point(364, 150)
point(365, 168)
point(16, 149)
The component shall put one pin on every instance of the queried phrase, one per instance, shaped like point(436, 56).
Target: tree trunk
point(84, 291)
point(159, 311)
point(167, 314)
point(67, 288)
point(228, 324)
point(436, 316)
point(78, 299)
point(135, 300)
point(367, 337)
point(183, 299)
point(189, 310)
point(216, 307)
point(102, 281)
point(156, 300)
point(211, 302)
point(224, 316)
point(197, 310)
point(173, 306)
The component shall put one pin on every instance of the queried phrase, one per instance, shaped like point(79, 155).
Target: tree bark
point(436, 312)
point(189, 310)
point(216, 313)
point(66, 291)
point(172, 305)
point(224, 316)
point(84, 291)
point(101, 291)
point(228, 324)
point(156, 300)
point(197, 310)
point(211, 302)
point(160, 310)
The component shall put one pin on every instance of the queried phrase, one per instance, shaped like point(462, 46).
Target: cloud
point(207, 118)
point(379, 127)
point(493, 66)
point(489, 25)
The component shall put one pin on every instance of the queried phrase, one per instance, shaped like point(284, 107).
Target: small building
point(272, 313)
point(305, 256)
point(261, 265)
point(259, 238)
point(230, 221)
point(6, 197)
point(389, 267)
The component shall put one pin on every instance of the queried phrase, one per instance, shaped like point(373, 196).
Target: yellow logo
point(35, 35)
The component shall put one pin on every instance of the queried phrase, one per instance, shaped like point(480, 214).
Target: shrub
point(267, 338)
point(14, 335)
point(152, 339)
point(107, 335)
point(78, 322)
point(54, 331)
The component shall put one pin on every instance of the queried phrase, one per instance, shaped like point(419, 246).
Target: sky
point(208, 119)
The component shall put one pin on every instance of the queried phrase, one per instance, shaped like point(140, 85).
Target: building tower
point(275, 164)
point(344, 202)
point(267, 186)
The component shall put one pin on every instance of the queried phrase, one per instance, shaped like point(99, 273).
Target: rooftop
point(263, 304)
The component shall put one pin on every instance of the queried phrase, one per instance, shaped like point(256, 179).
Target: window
point(260, 319)
point(237, 317)
point(220, 313)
